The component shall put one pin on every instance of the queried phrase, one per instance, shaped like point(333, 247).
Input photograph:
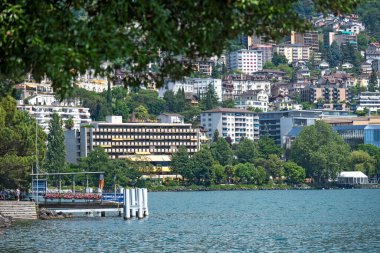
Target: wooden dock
point(19, 210)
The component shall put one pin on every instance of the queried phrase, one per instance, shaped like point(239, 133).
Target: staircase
point(19, 210)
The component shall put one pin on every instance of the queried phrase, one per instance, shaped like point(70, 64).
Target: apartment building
point(327, 93)
point(253, 99)
point(149, 142)
point(195, 86)
point(277, 124)
point(341, 37)
point(294, 52)
point(235, 85)
point(231, 122)
point(267, 50)
point(43, 114)
point(309, 38)
point(246, 61)
point(369, 100)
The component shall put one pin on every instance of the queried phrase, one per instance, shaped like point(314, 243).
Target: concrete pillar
point(127, 205)
point(133, 203)
point(140, 203)
point(145, 192)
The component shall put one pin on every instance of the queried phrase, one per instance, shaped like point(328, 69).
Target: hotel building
point(150, 142)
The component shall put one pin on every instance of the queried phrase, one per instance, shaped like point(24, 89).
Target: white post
point(140, 203)
point(145, 192)
point(127, 204)
point(133, 202)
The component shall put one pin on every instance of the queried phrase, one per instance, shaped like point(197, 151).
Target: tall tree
point(202, 166)
point(278, 59)
point(334, 55)
point(180, 163)
point(170, 101)
point(246, 151)
point(141, 113)
point(222, 152)
point(362, 161)
point(321, 151)
point(267, 146)
point(180, 101)
point(294, 173)
point(18, 145)
point(56, 152)
point(215, 136)
point(210, 100)
point(372, 84)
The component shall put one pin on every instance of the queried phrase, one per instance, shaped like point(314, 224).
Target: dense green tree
point(278, 59)
point(180, 163)
point(18, 145)
point(215, 136)
point(180, 101)
point(69, 123)
point(141, 113)
point(120, 108)
point(210, 99)
point(94, 101)
point(246, 172)
point(362, 161)
point(202, 166)
point(246, 151)
point(261, 175)
point(222, 152)
point(169, 98)
point(122, 172)
point(229, 103)
point(147, 98)
point(363, 41)
point(334, 55)
point(374, 152)
point(372, 84)
point(267, 146)
point(64, 38)
point(369, 13)
point(294, 173)
point(56, 151)
point(273, 166)
point(220, 176)
point(321, 151)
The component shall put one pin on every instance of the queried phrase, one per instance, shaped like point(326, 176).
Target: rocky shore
point(45, 214)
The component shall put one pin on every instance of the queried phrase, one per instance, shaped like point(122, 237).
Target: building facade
point(231, 122)
point(148, 142)
point(253, 99)
point(43, 114)
point(195, 86)
point(294, 52)
point(278, 124)
point(369, 100)
point(235, 85)
point(246, 61)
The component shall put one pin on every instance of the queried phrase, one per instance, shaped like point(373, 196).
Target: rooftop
point(228, 110)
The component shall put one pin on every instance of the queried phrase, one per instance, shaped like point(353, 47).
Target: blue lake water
point(232, 221)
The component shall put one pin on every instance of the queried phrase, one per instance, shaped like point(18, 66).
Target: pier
point(134, 204)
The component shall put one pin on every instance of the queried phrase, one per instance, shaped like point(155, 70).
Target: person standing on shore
point(18, 194)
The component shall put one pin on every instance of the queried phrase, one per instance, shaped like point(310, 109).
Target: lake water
point(233, 221)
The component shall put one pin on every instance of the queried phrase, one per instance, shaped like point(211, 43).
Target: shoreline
point(250, 188)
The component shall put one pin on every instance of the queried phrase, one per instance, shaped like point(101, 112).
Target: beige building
point(294, 52)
